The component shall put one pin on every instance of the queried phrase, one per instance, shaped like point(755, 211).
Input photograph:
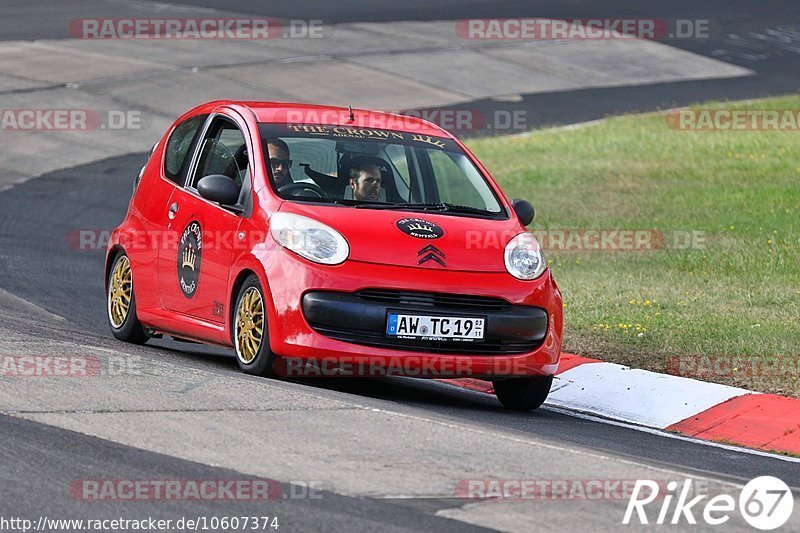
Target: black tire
point(523, 394)
point(129, 329)
point(262, 363)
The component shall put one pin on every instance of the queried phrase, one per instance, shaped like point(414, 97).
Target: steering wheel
point(300, 186)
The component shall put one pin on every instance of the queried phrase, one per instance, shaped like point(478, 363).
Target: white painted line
point(13, 303)
point(636, 396)
point(532, 440)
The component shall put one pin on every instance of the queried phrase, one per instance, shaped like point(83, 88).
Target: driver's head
point(279, 161)
point(365, 180)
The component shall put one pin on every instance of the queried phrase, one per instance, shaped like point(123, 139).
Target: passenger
point(365, 180)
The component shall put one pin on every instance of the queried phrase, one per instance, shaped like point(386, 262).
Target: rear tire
point(523, 394)
point(121, 303)
point(250, 333)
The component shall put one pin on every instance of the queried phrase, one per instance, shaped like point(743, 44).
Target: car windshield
point(375, 169)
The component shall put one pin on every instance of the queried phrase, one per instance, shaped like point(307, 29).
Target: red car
point(328, 241)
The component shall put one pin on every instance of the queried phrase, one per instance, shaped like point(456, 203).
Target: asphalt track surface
point(741, 32)
point(762, 36)
point(37, 491)
point(41, 263)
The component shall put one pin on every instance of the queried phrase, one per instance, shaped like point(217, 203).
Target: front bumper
point(360, 318)
point(319, 313)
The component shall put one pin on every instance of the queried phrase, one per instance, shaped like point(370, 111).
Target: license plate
point(423, 327)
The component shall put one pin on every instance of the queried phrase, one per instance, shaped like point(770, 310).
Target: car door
point(150, 202)
point(193, 274)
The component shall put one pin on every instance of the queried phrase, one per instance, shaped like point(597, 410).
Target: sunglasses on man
point(274, 162)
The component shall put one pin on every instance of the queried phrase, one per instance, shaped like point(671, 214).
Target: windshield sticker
point(420, 228)
point(356, 133)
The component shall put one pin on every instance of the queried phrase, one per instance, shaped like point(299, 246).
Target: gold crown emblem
point(427, 139)
point(189, 257)
point(418, 227)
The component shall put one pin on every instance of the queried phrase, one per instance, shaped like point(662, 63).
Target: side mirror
point(524, 211)
point(219, 188)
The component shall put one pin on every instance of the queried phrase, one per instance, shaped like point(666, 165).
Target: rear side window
point(176, 155)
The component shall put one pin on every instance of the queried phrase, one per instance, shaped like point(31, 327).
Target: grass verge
point(719, 297)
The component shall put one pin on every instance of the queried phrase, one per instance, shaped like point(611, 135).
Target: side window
point(176, 155)
point(223, 151)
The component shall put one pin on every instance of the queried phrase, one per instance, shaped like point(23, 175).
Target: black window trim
point(191, 150)
point(424, 166)
point(243, 209)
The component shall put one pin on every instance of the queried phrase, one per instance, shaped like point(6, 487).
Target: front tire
point(250, 333)
point(523, 394)
point(121, 303)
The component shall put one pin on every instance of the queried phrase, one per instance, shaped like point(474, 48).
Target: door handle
point(173, 208)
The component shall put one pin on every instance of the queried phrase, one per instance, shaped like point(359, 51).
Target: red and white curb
point(698, 409)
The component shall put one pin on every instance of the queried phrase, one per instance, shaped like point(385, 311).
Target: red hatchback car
point(328, 241)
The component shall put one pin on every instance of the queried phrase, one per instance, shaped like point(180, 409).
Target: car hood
point(417, 239)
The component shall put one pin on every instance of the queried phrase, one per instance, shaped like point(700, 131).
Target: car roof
point(293, 113)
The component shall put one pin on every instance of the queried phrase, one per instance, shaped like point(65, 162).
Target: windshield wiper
point(417, 206)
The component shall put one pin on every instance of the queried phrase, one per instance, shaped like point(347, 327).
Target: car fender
point(253, 263)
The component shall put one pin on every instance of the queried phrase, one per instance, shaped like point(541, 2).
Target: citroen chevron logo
point(431, 253)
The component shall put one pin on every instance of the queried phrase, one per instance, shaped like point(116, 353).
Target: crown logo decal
point(420, 227)
point(428, 140)
point(189, 258)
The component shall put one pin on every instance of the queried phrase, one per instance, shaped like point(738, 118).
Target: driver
point(365, 180)
point(280, 162)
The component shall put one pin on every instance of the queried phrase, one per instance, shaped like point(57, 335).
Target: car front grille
point(433, 299)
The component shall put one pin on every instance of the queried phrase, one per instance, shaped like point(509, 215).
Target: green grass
point(738, 297)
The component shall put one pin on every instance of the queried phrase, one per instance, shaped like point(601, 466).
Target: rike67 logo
point(765, 503)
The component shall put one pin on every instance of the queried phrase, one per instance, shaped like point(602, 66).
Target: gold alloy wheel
point(249, 325)
point(120, 292)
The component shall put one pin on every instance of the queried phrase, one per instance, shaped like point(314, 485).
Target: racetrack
point(387, 454)
point(391, 446)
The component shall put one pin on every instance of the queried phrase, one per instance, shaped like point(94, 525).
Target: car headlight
point(308, 238)
point(524, 258)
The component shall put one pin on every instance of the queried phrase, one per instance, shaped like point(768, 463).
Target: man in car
point(365, 180)
point(280, 162)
